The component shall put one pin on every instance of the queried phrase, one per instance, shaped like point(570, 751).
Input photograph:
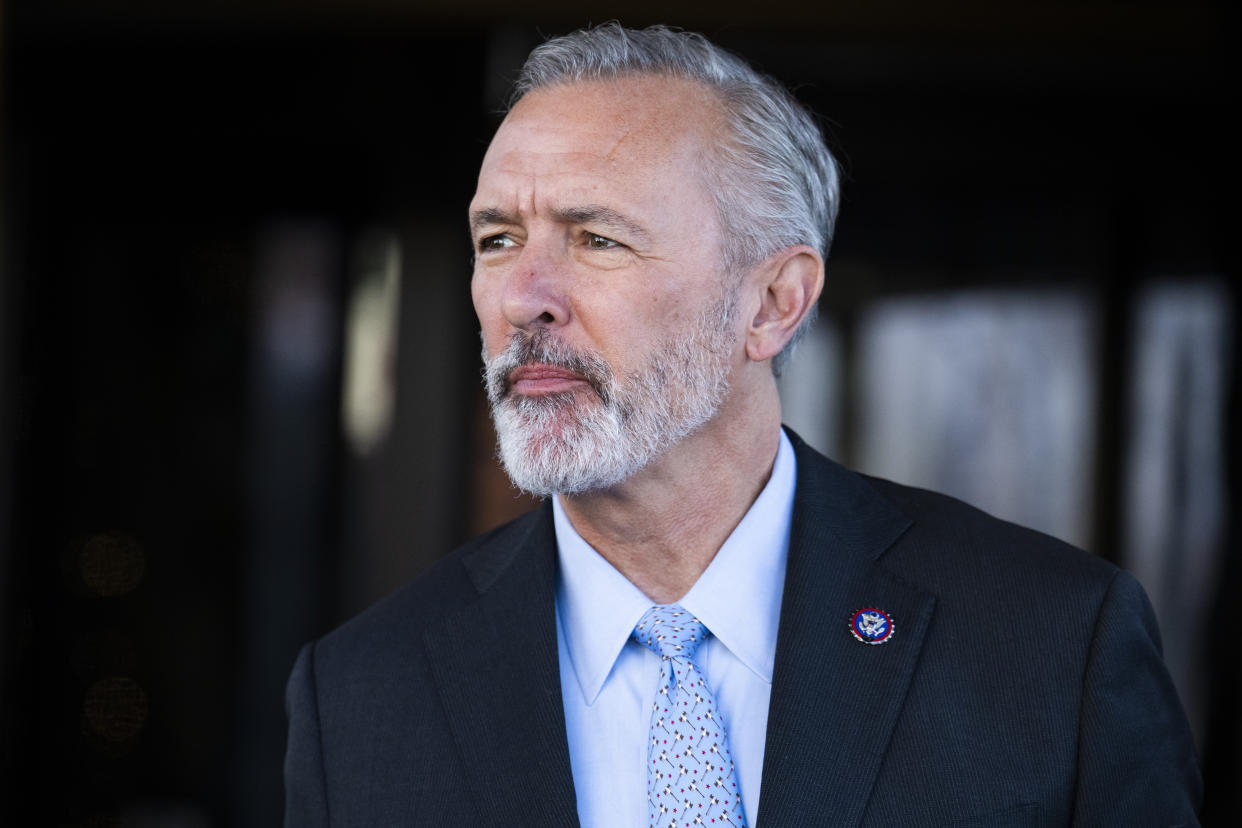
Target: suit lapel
point(495, 663)
point(835, 700)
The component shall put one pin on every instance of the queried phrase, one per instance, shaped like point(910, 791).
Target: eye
point(598, 242)
point(499, 241)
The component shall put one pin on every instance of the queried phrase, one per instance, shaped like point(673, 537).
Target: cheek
point(631, 319)
point(491, 322)
point(486, 300)
point(477, 296)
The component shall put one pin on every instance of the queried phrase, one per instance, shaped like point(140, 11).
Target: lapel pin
point(871, 626)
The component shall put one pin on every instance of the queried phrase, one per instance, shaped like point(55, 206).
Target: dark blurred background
point(239, 394)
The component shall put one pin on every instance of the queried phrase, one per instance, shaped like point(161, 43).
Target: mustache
point(541, 347)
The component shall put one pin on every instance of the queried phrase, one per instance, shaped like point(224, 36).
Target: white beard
point(588, 440)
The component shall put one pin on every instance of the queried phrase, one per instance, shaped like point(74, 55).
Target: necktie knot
point(670, 631)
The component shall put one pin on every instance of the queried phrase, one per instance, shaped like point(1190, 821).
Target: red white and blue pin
point(872, 626)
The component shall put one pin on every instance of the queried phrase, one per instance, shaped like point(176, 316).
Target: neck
point(662, 527)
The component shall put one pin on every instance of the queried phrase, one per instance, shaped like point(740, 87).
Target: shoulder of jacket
point(952, 540)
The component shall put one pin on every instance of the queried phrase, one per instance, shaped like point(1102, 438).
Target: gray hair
point(776, 183)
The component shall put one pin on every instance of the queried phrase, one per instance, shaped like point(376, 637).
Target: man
point(707, 622)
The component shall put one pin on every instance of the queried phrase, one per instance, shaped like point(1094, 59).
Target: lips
point(540, 378)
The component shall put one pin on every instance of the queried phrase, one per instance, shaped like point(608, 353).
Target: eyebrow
point(599, 215)
point(587, 214)
point(489, 215)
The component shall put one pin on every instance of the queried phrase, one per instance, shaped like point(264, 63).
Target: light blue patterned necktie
point(691, 778)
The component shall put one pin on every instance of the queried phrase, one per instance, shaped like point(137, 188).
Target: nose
point(533, 292)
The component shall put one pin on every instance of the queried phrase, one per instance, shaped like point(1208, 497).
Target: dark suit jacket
point(1023, 684)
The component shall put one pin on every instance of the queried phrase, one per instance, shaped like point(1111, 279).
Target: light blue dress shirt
point(608, 680)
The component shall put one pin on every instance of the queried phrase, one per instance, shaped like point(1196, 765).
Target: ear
point(789, 283)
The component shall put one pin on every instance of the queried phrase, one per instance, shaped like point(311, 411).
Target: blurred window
point(1174, 512)
point(988, 396)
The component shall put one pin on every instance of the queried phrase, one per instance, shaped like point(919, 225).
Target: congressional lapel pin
point(872, 626)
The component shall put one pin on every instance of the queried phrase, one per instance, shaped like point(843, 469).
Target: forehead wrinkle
point(523, 201)
point(548, 139)
point(612, 151)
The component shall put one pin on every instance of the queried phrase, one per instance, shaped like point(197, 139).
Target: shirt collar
point(738, 596)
